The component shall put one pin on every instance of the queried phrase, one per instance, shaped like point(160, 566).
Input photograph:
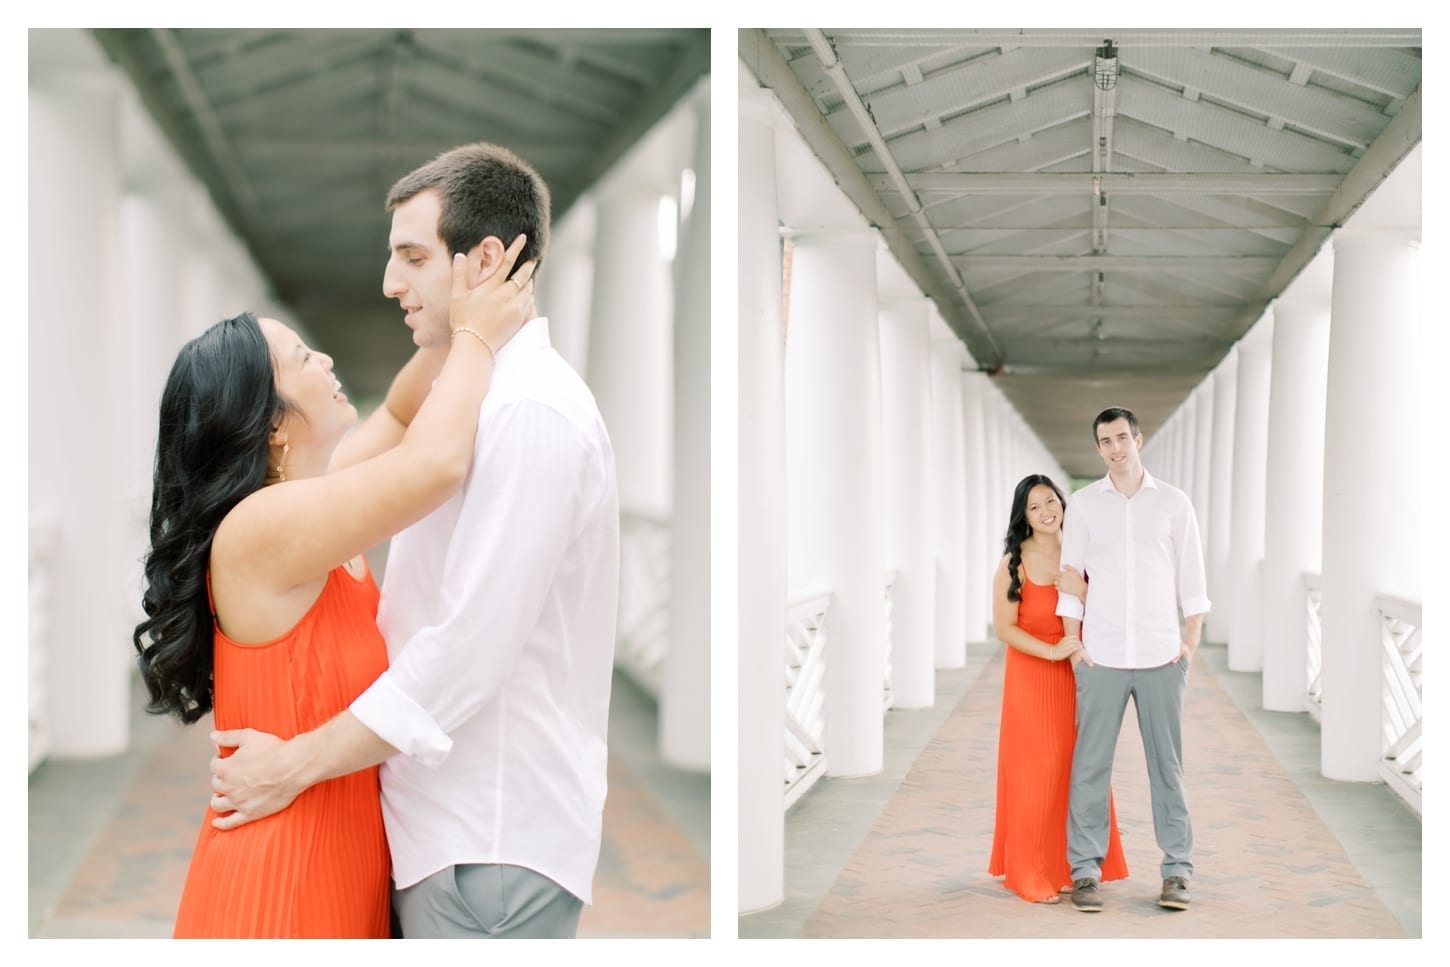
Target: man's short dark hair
point(1111, 415)
point(484, 190)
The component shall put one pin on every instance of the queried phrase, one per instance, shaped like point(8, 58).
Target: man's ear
point(484, 259)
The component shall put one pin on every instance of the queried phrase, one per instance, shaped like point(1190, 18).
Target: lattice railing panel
point(42, 544)
point(805, 692)
point(1402, 649)
point(888, 696)
point(1313, 615)
point(644, 600)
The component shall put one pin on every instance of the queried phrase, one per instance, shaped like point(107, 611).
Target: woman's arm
point(1004, 621)
point(293, 532)
point(384, 427)
point(1070, 579)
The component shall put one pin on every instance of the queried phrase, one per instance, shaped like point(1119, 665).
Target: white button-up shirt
point(1142, 557)
point(499, 614)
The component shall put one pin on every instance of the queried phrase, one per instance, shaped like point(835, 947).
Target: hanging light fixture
point(1105, 73)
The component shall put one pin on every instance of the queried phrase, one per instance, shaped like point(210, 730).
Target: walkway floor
point(110, 839)
point(1280, 852)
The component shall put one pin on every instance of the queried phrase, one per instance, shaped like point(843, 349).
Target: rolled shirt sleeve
point(1074, 549)
point(1192, 579)
point(493, 585)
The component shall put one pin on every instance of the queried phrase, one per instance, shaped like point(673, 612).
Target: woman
point(1039, 703)
point(260, 604)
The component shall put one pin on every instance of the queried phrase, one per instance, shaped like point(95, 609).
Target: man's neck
point(1129, 482)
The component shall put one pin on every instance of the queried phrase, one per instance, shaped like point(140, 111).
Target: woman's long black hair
point(218, 410)
point(1018, 530)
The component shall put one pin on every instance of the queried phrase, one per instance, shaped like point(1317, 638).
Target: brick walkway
point(653, 878)
point(1266, 864)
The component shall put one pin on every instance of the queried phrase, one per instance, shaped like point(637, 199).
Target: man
point(1136, 540)
point(498, 609)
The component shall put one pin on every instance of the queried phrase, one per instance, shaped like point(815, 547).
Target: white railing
point(1403, 697)
point(888, 697)
point(1314, 609)
point(43, 538)
point(1402, 713)
point(644, 599)
point(805, 691)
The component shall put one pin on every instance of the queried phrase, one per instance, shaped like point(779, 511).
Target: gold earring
point(282, 465)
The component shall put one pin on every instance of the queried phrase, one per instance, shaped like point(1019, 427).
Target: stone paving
point(1267, 864)
point(653, 878)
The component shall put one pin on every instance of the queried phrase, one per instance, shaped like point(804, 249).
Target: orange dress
point(320, 867)
point(1034, 763)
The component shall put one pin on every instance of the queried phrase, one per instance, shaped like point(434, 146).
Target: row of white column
point(1301, 453)
point(128, 260)
point(871, 443)
point(634, 320)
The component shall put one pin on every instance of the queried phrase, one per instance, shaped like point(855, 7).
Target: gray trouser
point(1102, 698)
point(486, 900)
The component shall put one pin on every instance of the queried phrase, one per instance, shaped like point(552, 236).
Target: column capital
point(1290, 312)
point(574, 234)
point(799, 235)
point(1362, 238)
point(698, 97)
point(1202, 390)
point(760, 106)
point(903, 303)
point(1260, 337)
point(953, 346)
point(1315, 283)
point(1227, 366)
point(70, 60)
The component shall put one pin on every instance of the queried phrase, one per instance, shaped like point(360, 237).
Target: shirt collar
point(1106, 484)
point(533, 335)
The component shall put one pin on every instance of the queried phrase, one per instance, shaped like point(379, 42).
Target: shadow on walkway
point(1279, 851)
point(110, 839)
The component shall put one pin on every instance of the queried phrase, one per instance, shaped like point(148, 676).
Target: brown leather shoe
point(1175, 893)
point(1085, 896)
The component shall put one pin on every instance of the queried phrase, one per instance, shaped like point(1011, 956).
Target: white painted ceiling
point(1100, 214)
point(298, 134)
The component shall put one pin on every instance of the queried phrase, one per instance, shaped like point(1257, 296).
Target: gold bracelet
point(476, 335)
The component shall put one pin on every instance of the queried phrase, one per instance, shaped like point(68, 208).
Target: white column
point(1165, 450)
point(951, 531)
point(684, 720)
point(202, 292)
point(1295, 484)
point(1188, 426)
point(835, 480)
point(1371, 484)
point(565, 284)
point(1162, 447)
point(76, 332)
point(1180, 445)
point(1220, 585)
point(1203, 453)
point(630, 346)
point(994, 513)
point(981, 539)
point(761, 570)
point(150, 254)
point(1005, 470)
point(906, 412)
point(1251, 454)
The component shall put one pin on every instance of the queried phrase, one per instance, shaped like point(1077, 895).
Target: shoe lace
point(1178, 881)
